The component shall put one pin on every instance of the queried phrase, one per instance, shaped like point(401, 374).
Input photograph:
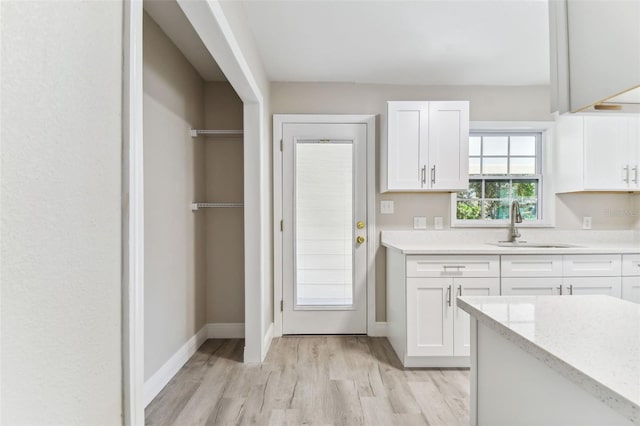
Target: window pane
point(494, 166)
point(523, 145)
point(523, 166)
point(521, 189)
point(468, 210)
point(474, 145)
point(496, 209)
point(474, 165)
point(496, 189)
point(529, 209)
point(474, 191)
point(495, 145)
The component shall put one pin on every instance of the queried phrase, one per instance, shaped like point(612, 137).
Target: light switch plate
point(586, 222)
point(419, 222)
point(437, 222)
point(386, 207)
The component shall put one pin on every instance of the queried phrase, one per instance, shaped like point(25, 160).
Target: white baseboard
point(226, 330)
point(160, 378)
point(379, 329)
point(266, 342)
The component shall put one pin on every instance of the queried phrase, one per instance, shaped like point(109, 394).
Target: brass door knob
point(360, 239)
point(360, 224)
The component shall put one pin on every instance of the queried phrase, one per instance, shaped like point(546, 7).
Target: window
point(503, 166)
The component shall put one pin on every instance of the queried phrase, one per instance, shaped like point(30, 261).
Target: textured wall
point(175, 293)
point(61, 203)
point(504, 103)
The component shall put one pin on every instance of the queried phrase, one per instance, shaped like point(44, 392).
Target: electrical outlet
point(586, 222)
point(386, 207)
point(419, 222)
point(437, 222)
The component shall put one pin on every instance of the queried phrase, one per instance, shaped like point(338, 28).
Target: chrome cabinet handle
point(424, 174)
point(626, 169)
point(571, 289)
point(560, 288)
point(460, 290)
point(449, 295)
point(635, 173)
point(433, 175)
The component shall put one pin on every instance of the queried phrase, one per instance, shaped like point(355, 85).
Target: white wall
point(487, 103)
point(175, 262)
point(61, 204)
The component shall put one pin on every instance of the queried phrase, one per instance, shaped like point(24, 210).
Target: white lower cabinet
point(531, 286)
point(610, 286)
point(461, 320)
point(631, 277)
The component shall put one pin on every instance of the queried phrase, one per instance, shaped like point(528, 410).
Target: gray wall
point(61, 212)
point(224, 227)
point(175, 269)
point(503, 103)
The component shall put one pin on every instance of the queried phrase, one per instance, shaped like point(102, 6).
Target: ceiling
point(426, 42)
point(429, 42)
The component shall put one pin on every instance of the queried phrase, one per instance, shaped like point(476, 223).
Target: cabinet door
point(531, 286)
point(461, 320)
point(429, 317)
point(634, 151)
point(606, 153)
point(592, 265)
point(407, 138)
point(631, 289)
point(448, 146)
point(610, 286)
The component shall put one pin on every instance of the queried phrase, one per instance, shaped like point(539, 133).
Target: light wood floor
point(319, 380)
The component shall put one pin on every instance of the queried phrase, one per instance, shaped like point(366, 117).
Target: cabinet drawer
point(592, 265)
point(453, 266)
point(531, 286)
point(531, 266)
point(630, 265)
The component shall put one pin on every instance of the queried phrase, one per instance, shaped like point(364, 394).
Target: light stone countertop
point(473, 241)
point(593, 341)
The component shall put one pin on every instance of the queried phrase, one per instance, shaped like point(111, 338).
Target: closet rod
point(197, 206)
point(195, 132)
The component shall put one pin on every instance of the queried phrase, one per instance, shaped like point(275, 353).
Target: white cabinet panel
point(461, 321)
point(429, 317)
point(583, 265)
point(453, 266)
point(631, 264)
point(610, 286)
point(407, 145)
point(449, 146)
point(531, 286)
point(427, 146)
point(605, 150)
point(631, 289)
point(531, 266)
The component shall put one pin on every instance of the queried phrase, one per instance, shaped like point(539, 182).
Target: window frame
point(546, 216)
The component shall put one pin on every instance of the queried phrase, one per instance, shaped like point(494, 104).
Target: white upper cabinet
point(598, 153)
point(595, 52)
point(427, 146)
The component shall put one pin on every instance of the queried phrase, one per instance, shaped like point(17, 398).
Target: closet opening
point(193, 158)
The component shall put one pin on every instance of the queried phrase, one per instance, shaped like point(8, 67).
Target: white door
point(430, 316)
point(606, 153)
point(448, 146)
point(462, 321)
point(324, 213)
point(407, 145)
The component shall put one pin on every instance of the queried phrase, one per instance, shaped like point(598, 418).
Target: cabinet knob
point(360, 239)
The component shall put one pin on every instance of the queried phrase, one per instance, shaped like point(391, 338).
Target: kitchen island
point(554, 360)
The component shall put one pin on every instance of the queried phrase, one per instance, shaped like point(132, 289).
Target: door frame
point(279, 120)
point(210, 23)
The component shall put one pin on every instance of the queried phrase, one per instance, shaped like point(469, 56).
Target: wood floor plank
point(310, 380)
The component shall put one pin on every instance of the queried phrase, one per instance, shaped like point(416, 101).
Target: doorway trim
point(213, 28)
point(279, 120)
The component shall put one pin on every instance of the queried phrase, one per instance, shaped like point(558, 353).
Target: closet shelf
point(197, 206)
point(195, 133)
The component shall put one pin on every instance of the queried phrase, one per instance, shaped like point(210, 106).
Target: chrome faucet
point(516, 217)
